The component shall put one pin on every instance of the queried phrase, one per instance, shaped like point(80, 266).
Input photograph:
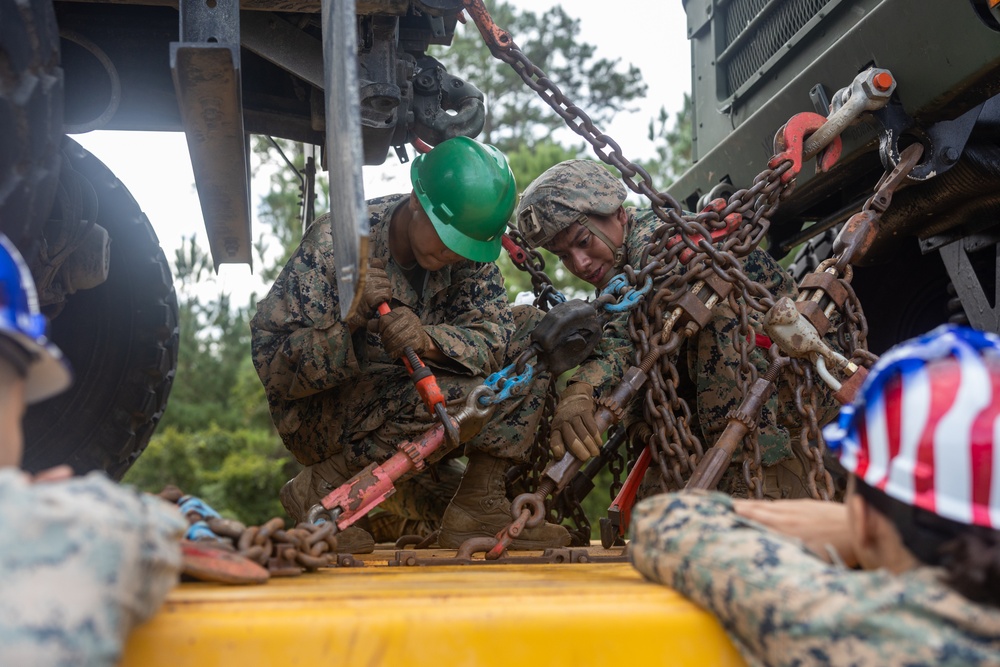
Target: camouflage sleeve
point(83, 561)
point(782, 606)
point(760, 586)
point(477, 323)
point(761, 267)
point(299, 342)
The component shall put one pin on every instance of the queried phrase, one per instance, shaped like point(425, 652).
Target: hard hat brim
point(456, 241)
point(459, 243)
point(49, 374)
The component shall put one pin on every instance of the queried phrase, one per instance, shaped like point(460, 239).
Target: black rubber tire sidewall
point(31, 118)
point(121, 338)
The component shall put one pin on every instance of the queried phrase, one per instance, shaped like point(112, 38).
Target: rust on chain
point(496, 39)
point(742, 422)
point(686, 253)
point(278, 551)
point(534, 265)
point(860, 232)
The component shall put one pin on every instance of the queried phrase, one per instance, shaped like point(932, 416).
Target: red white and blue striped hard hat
point(923, 427)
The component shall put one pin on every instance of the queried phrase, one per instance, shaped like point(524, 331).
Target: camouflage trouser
point(385, 410)
point(784, 479)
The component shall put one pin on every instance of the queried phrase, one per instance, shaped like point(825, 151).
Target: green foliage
point(516, 115)
point(529, 163)
point(281, 210)
point(672, 142)
point(238, 472)
point(213, 353)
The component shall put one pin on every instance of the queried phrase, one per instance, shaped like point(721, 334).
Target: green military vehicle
point(756, 63)
point(217, 70)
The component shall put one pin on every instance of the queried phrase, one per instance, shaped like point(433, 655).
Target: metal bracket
point(205, 64)
point(445, 106)
point(982, 314)
point(943, 141)
point(274, 39)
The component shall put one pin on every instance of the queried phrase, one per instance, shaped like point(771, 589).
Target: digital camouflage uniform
point(783, 606)
point(84, 561)
point(711, 385)
point(334, 396)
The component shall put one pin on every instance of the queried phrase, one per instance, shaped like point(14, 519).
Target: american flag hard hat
point(923, 427)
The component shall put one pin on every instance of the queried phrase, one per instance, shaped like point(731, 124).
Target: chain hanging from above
point(694, 262)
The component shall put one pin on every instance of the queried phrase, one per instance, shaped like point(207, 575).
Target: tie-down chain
point(716, 239)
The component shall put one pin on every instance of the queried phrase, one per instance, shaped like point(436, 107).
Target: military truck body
point(217, 70)
point(756, 63)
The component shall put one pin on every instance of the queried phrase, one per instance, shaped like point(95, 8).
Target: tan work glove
point(399, 329)
point(573, 424)
point(377, 291)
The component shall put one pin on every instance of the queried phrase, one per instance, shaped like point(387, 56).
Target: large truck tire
point(31, 117)
point(121, 339)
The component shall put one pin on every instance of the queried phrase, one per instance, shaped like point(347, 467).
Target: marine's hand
point(401, 328)
point(819, 524)
point(573, 424)
point(377, 291)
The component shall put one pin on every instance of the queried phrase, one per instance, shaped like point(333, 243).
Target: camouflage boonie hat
point(564, 194)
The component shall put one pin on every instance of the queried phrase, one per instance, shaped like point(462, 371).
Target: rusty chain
point(282, 551)
point(546, 295)
point(677, 449)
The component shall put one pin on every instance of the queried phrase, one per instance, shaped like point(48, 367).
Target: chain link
point(546, 295)
point(283, 552)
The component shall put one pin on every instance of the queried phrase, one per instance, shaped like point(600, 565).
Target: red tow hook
point(791, 138)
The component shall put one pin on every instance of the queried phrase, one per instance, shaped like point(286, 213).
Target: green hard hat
point(467, 190)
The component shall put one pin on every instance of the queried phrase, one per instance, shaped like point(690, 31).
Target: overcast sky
point(650, 34)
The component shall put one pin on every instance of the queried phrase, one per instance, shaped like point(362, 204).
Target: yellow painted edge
point(486, 616)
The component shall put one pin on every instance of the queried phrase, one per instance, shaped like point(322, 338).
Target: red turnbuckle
point(366, 490)
point(791, 138)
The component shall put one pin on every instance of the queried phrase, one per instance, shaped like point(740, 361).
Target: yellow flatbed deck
point(543, 614)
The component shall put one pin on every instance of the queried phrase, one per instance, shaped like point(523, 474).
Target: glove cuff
point(578, 389)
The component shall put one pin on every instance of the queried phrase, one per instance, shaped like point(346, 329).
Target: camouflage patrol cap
point(564, 194)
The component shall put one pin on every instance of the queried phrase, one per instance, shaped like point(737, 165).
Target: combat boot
point(480, 508)
point(354, 540)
